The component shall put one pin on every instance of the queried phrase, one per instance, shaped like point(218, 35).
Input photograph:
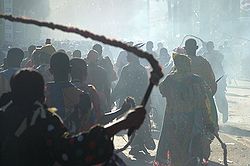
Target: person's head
point(182, 63)
point(149, 46)
point(27, 87)
point(191, 47)
point(210, 46)
point(60, 66)
point(31, 49)
point(98, 49)
point(160, 45)
point(14, 57)
point(92, 56)
point(78, 69)
point(132, 58)
point(77, 54)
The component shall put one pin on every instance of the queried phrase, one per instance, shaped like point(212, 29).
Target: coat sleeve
point(89, 148)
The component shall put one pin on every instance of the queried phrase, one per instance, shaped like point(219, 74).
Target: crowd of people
point(57, 106)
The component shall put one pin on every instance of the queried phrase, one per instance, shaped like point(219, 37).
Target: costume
point(186, 117)
point(201, 67)
point(37, 136)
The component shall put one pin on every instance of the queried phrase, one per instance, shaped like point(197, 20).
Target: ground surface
point(235, 133)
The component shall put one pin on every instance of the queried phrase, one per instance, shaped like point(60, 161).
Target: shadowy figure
point(79, 77)
point(149, 48)
point(121, 62)
point(37, 136)
point(97, 76)
point(164, 57)
point(106, 63)
point(13, 64)
point(199, 65)
point(133, 82)
point(74, 105)
point(215, 58)
point(159, 47)
point(186, 116)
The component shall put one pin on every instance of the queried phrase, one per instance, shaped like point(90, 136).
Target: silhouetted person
point(186, 116)
point(73, 104)
point(200, 65)
point(164, 57)
point(106, 63)
point(31, 49)
point(79, 77)
point(215, 58)
point(159, 47)
point(36, 135)
point(149, 48)
point(13, 63)
point(97, 76)
point(133, 82)
point(121, 62)
point(44, 66)
point(44, 58)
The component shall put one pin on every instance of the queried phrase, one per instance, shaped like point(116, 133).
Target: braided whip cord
point(87, 34)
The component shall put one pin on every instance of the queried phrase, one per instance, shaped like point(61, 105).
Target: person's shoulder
point(202, 60)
